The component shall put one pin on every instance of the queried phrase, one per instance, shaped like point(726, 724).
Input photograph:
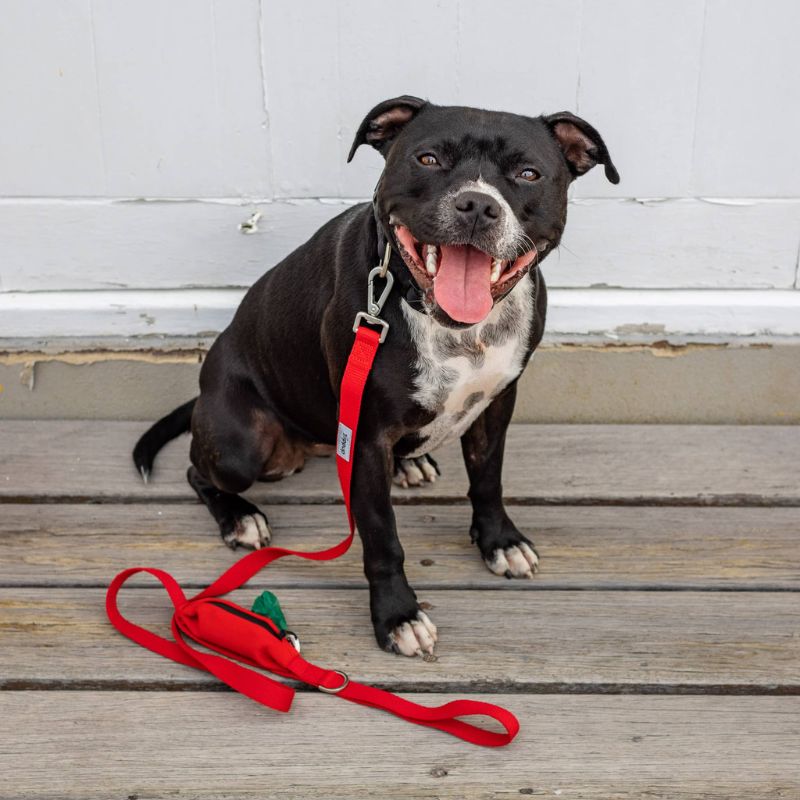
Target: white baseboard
point(614, 313)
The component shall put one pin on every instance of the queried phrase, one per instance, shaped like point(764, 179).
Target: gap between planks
point(741, 500)
point(510, 688)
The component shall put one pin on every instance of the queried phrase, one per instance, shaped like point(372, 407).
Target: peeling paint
point(660, 349)
point(250, 225)
point(651, 201)
point(195, 355)
point(708, 382)
point(27, 376)
point(797, 268)
point(78, 358)
point(643, 327)
point(727, 201)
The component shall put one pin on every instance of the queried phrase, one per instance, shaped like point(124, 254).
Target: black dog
point(471, 202)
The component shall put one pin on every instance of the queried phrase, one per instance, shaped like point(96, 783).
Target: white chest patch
point(459, 372)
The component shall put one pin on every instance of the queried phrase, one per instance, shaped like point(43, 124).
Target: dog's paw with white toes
point(250, 530)
point(409, 472)
point(414, 638)
point(518, 561)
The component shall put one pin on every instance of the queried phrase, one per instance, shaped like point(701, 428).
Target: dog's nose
point(477, 207)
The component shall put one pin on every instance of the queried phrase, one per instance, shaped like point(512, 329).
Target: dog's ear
point(582, 145)
point(384, 122)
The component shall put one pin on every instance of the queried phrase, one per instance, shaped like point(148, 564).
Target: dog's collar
point(408, 288)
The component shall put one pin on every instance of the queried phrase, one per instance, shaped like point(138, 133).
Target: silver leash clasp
point(375, 306)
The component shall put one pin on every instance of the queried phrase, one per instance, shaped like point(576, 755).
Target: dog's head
point(472, 198)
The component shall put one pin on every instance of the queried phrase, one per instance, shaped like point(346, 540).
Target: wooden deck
point(657, 653)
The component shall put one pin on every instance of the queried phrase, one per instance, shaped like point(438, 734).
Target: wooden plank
point(74, 244)
point(656, 61)
point(200, 127)
point(634, 464)
point(463, 30)
point(49, 245)
point(492, 640)
point(748, 60)
point(580, 547)
point(194, 78)
point(55, 53)
point(127, 744)
point(637, 252)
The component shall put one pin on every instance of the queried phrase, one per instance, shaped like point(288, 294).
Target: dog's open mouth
point(465, 281)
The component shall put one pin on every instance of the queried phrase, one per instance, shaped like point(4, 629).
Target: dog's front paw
point(518, 561)
point(415, 637)
point(249, 530)
point(400, 625)
point(415, 471)
point(504, 549)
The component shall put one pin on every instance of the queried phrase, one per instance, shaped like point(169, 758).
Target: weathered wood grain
point(132, 744)
point(521, 641)
point(586, 671)
point(636, 464)
point(580, 547)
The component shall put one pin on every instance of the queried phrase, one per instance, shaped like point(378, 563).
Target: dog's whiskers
point(561, 244)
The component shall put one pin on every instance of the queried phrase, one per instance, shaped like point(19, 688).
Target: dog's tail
point(165, 430)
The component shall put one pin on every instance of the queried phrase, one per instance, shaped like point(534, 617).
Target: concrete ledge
point(582, 381)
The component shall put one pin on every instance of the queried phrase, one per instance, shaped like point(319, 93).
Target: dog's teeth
point(431, 260)
point(497, 269)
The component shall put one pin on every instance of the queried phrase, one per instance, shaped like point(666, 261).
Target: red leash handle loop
point(446, 717)
point(238, 635)
point(152, 641)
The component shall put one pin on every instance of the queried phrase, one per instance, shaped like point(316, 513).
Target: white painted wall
point(136, 136)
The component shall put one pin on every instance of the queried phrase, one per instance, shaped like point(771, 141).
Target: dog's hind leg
point(415, 471)
point(228, 453)
point(240, 522)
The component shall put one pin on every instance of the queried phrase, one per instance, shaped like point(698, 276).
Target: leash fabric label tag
point(343, 440)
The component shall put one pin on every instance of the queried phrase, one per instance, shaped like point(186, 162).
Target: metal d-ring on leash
point(374, 306)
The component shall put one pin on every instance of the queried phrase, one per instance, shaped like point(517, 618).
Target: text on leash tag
point(343, 439)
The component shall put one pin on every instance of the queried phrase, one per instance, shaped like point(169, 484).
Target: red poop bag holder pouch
point(242, 637)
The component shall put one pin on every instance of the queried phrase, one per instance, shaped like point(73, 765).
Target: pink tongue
point(462, 286)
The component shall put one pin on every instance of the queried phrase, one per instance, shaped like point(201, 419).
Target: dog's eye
point(428, 160)
point(529, 174)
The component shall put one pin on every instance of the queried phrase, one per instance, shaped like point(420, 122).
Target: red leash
point(240, 635)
